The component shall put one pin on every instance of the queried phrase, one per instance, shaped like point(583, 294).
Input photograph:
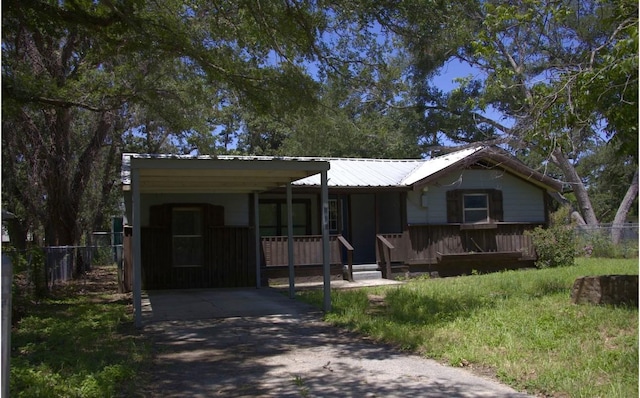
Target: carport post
point(136, 242)
point(325, 241)
point(256, 223)
point(292, 276)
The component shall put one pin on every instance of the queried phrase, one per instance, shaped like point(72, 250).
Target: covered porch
point(251, 176)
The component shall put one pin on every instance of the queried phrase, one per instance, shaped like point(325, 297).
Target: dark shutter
point(454, 206)
point(213, 215)
point(495, 209)
point(160, 216)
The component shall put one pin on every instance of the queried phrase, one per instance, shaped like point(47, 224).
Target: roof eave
point(499, 159)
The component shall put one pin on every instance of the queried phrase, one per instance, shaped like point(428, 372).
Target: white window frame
point(200, 236)
point(475, 209)
point(334, 215)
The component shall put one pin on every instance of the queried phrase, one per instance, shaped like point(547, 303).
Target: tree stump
point(606, 289)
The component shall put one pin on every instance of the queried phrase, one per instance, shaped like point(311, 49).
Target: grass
point(518, 326)
point(79, 342)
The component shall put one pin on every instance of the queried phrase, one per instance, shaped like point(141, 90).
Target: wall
point(389, 212)
point(522, 201)
point(236, 206)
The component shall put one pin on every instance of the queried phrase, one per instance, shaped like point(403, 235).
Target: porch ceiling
point(159, 174)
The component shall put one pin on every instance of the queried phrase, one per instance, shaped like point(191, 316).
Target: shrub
point(594, 242)
point(29, 282)
point(555, 245)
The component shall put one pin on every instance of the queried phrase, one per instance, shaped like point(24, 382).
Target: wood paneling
point(307, 250)
point(423, 244)
point(229, 260)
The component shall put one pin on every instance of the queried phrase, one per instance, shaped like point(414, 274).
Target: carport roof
point(219, 174)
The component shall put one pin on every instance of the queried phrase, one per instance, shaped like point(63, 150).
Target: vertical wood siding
point(232, 259)
point(228, 260)
point(423, 243)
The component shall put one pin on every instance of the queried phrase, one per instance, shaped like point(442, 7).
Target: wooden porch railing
point(307, 250)
point(349, 250)
point(437, 244)
point(384, 249)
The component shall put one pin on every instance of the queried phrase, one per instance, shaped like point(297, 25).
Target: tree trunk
point(582, 196)
point(623, 209)
point(575, 215)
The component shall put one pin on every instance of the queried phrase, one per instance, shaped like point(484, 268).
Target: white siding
point(522, 202)
point(236, 206)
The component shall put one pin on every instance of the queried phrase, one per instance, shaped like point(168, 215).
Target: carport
point(149, 174)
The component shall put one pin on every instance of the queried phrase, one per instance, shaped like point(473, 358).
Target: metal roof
point(260, 173)
point(222, 174)
point(362, 173)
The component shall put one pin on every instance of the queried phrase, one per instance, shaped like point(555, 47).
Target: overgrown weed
point(520, 324)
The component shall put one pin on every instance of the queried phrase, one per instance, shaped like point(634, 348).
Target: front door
point(363, 228)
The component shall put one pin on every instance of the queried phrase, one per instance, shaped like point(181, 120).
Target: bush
point(29, 282)
point(597, 243)
point(555, 245)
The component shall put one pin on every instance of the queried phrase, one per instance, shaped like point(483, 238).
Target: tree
point(84, 81)
point(561, 76)
point(361, 110)
point(76, 75)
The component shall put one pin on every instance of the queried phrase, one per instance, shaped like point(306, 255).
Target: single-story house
point(208, 222)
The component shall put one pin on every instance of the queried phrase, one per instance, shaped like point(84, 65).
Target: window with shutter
point(186, 229)
point(474, 206)
point(187, 236)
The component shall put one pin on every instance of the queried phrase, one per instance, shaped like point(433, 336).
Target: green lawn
point(79, 343)
point(519, 326)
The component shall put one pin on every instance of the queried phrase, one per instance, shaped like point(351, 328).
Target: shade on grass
point(520, 324)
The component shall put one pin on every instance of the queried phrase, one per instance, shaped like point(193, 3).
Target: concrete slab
point(342, 284)
point(295, 356)
point(198, 304)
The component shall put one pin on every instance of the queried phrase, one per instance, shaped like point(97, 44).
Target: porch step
point(366, 275)
point(365, 267)
point(363, 272)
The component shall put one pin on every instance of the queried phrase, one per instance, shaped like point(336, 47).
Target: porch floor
point(340, 284)
point(198, 304)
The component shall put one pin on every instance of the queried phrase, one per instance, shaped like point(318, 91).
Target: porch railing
point(429, 244)
point(307, 250)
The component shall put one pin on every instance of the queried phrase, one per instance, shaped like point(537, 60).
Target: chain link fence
point(597, 241)
point(63, 263)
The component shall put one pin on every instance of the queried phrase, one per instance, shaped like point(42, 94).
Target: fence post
point(7, 276)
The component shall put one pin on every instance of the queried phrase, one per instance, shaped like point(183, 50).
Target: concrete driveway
point(260, 343)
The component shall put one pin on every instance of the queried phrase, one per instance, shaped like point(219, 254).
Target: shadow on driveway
point(260, 343)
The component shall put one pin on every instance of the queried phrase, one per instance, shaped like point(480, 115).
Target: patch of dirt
point(377, 304)
point(100, 285)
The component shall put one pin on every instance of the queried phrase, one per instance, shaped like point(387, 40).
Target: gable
point(489, 158)
point(520, 200)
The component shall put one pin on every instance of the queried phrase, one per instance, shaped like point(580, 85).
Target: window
point(187, 236)
point(334, 216)
point(273, 217)
point(475, 208)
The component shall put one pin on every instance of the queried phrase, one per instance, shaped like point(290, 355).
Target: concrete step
point(365, 267)
point(366, 275)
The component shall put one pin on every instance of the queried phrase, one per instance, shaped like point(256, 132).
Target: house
point(467, 210)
